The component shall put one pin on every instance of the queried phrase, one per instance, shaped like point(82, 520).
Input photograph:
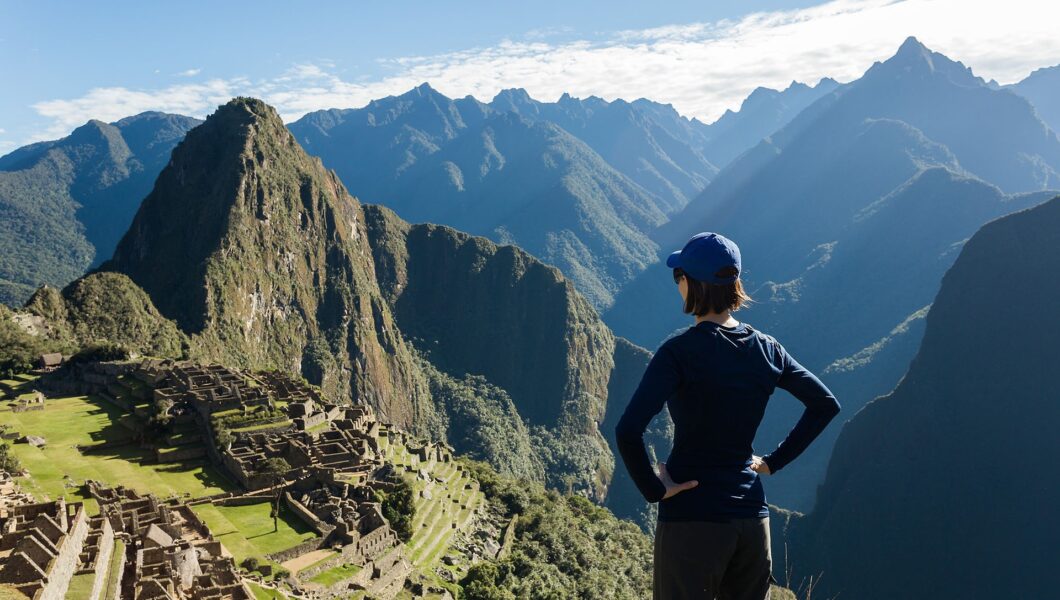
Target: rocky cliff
point(944, 488)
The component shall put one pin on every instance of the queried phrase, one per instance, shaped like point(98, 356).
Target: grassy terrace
point(59, 468)
point(335, 574)
point(264, 593)
point(433, 527)
point(247, 530)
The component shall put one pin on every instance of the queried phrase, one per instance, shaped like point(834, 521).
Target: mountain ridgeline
point(250, 253)
point(579, 183)
point(464, 164)
point(954, 462)
point(65, 204)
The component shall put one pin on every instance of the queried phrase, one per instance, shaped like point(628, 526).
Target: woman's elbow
point(626, 431)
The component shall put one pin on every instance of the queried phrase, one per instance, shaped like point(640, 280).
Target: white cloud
point(113, 103)
point(190, 73)
point(701, 68)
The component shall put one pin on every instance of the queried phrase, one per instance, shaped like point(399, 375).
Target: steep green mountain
point(64, 204)
point(1042, 89)
point(102, 308)
point(463, 164)
point(762, 113)
point(494, 311)
point(263, 260)
point(629, 137)
point(847, 219)
point(934, 490)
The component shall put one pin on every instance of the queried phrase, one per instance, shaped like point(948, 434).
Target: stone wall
point(65, 563)
point(306, 515)
point(106, 549)
point(303, 548)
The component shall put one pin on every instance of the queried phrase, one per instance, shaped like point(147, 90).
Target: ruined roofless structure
point(175, 554)
point(207, 389)
point(346, 516)
point(41, 546)
point(349, 447)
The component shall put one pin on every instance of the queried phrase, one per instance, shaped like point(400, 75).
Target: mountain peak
point(513, 99)
point(514, 94)
point(238, 167)
point(912, 47)
point(914, 57)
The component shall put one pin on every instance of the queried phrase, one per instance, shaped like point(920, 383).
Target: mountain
point(65, 203)
point(847, 218)
point(762, 113)
point(629, 136)
point(263, 260)
point(1042, 89)
point(950, 463)
point(463, 164)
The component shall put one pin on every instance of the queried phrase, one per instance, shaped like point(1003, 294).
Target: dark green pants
point(701, 560)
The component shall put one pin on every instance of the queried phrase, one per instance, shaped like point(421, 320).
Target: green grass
point(117, 559)
point(263, 593)
point(334, 575)
point(263, 426)
point(67, 422)
point(247, 530)
point(81, 586)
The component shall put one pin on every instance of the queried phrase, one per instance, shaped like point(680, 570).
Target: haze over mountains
point(578, 183)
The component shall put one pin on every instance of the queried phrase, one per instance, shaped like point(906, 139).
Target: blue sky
point(66, 62)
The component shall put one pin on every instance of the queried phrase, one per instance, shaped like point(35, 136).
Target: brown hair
point(703, 297)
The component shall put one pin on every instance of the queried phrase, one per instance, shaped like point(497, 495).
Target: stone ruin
point(206, 389)
point(43, 545)
point(348, 446)
point(346, 516)
point(171, 553)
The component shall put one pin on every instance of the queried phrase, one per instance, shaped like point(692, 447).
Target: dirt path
point(297, 564)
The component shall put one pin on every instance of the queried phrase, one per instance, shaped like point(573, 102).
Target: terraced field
point(453, 499)
point(59, 468)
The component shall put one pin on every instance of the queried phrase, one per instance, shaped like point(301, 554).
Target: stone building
point(346, 516)
point(205, 388)
point(172, 553)
point(41, 546)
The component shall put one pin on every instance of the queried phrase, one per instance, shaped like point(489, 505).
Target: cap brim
point(674, 260)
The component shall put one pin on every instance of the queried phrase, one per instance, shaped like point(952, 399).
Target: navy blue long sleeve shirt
point(717, 381)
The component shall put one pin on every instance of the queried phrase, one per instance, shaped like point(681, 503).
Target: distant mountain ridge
point(629, 137)
point(464, 164)
point(762, 113)
point(1042, 89)
point(65, 203)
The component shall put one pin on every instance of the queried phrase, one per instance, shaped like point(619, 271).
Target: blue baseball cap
point(705, 255)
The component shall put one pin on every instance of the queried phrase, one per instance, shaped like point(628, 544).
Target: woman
point(712, 536)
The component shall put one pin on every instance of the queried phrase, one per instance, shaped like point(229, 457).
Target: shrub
point(399, 507)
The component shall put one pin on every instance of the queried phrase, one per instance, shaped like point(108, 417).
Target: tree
point(275, 469)
point(399, 507)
